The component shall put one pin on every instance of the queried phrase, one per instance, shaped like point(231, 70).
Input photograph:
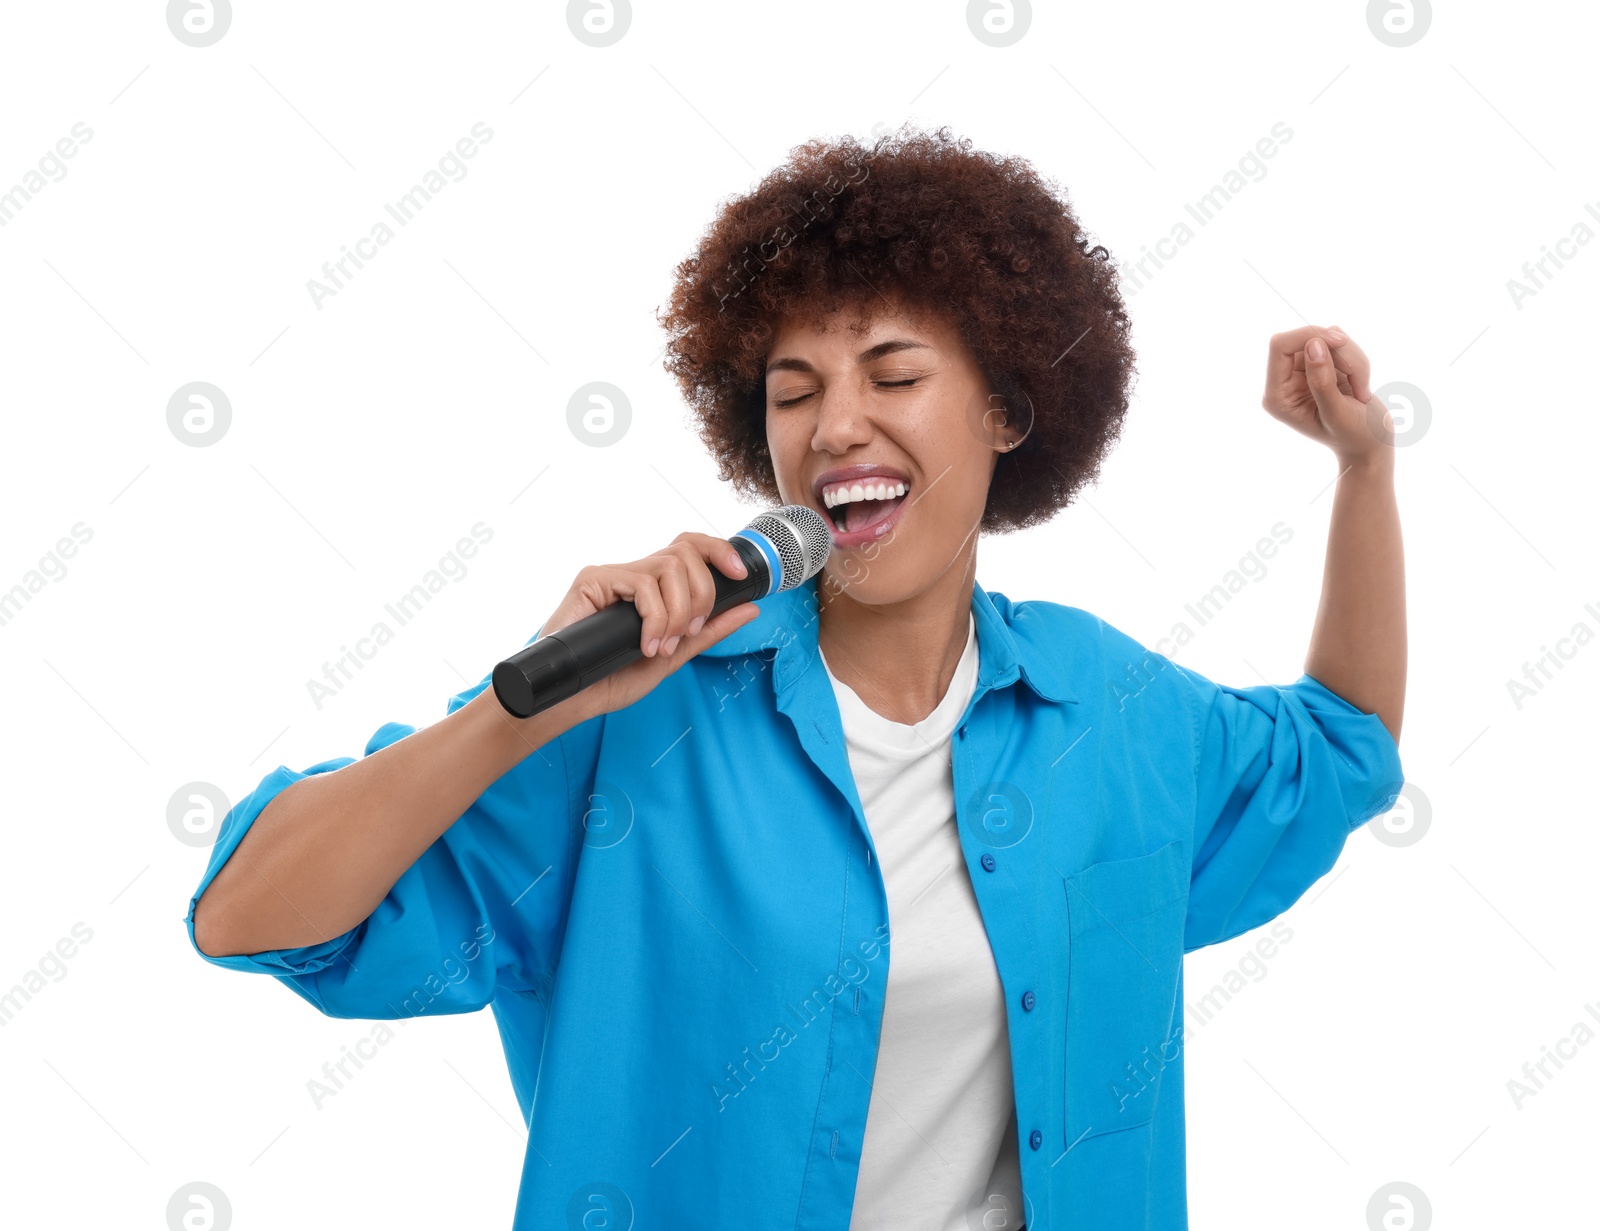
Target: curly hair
point(977, 239)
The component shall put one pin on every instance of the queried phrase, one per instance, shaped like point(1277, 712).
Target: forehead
point(853, 326)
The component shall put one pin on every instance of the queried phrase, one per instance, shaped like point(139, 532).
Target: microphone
point(781, 549)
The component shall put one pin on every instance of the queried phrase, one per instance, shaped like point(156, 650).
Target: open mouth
point(853, 519)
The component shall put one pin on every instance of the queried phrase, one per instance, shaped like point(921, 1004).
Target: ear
point(1010, 414)
point(1006, 436)
point(992, 424)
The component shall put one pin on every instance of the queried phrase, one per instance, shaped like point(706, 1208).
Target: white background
point(430, 393)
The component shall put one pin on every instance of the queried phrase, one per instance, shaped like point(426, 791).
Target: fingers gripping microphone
point(780, 549)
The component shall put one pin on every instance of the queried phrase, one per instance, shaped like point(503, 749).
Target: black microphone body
point(780, 550)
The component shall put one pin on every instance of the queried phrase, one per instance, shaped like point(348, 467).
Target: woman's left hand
point(1318, 383)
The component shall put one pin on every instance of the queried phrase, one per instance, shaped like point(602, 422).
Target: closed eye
point(887, 384)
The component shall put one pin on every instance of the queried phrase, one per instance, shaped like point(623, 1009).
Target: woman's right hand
point(673, 590)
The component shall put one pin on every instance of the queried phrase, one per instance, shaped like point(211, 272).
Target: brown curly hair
point(976, 238)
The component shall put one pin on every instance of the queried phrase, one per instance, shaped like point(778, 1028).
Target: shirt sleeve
point(1283, 775)
point(481, 909)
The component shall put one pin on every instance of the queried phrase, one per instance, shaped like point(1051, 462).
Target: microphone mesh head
point(801, 537)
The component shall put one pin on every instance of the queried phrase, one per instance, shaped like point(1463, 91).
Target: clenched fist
point(1319, 383)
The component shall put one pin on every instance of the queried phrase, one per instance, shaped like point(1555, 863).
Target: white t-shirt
point(941, 1125)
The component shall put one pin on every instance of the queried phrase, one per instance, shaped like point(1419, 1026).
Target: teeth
point(875, 490)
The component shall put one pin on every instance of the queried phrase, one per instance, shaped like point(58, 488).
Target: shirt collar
point(1012, 644)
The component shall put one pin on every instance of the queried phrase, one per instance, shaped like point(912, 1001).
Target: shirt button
point(1036, 1139)
point(988, 862)
point(1027, 1000)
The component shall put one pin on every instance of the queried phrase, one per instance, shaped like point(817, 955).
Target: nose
point(842, 421)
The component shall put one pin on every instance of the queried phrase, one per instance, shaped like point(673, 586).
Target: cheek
point(787, 445)
point(967, 498)
point(967, 468)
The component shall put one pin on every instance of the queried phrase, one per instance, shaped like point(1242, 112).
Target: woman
point(677, 890)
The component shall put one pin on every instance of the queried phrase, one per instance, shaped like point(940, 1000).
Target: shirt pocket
point(1125, 934)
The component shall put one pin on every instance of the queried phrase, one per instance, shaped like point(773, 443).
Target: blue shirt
point(675, 912)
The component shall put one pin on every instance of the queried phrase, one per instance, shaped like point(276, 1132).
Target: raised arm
point(1318, 382)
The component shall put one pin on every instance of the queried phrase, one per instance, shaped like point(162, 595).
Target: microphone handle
point(563, 664)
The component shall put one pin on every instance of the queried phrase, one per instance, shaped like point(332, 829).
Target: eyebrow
point(867, 356)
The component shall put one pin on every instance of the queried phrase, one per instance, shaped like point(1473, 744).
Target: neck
point(900, 657)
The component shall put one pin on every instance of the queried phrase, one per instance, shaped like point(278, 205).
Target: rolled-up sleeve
point(1282, 776)
point(481, 908)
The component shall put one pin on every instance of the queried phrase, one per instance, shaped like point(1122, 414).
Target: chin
point(877, 575)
